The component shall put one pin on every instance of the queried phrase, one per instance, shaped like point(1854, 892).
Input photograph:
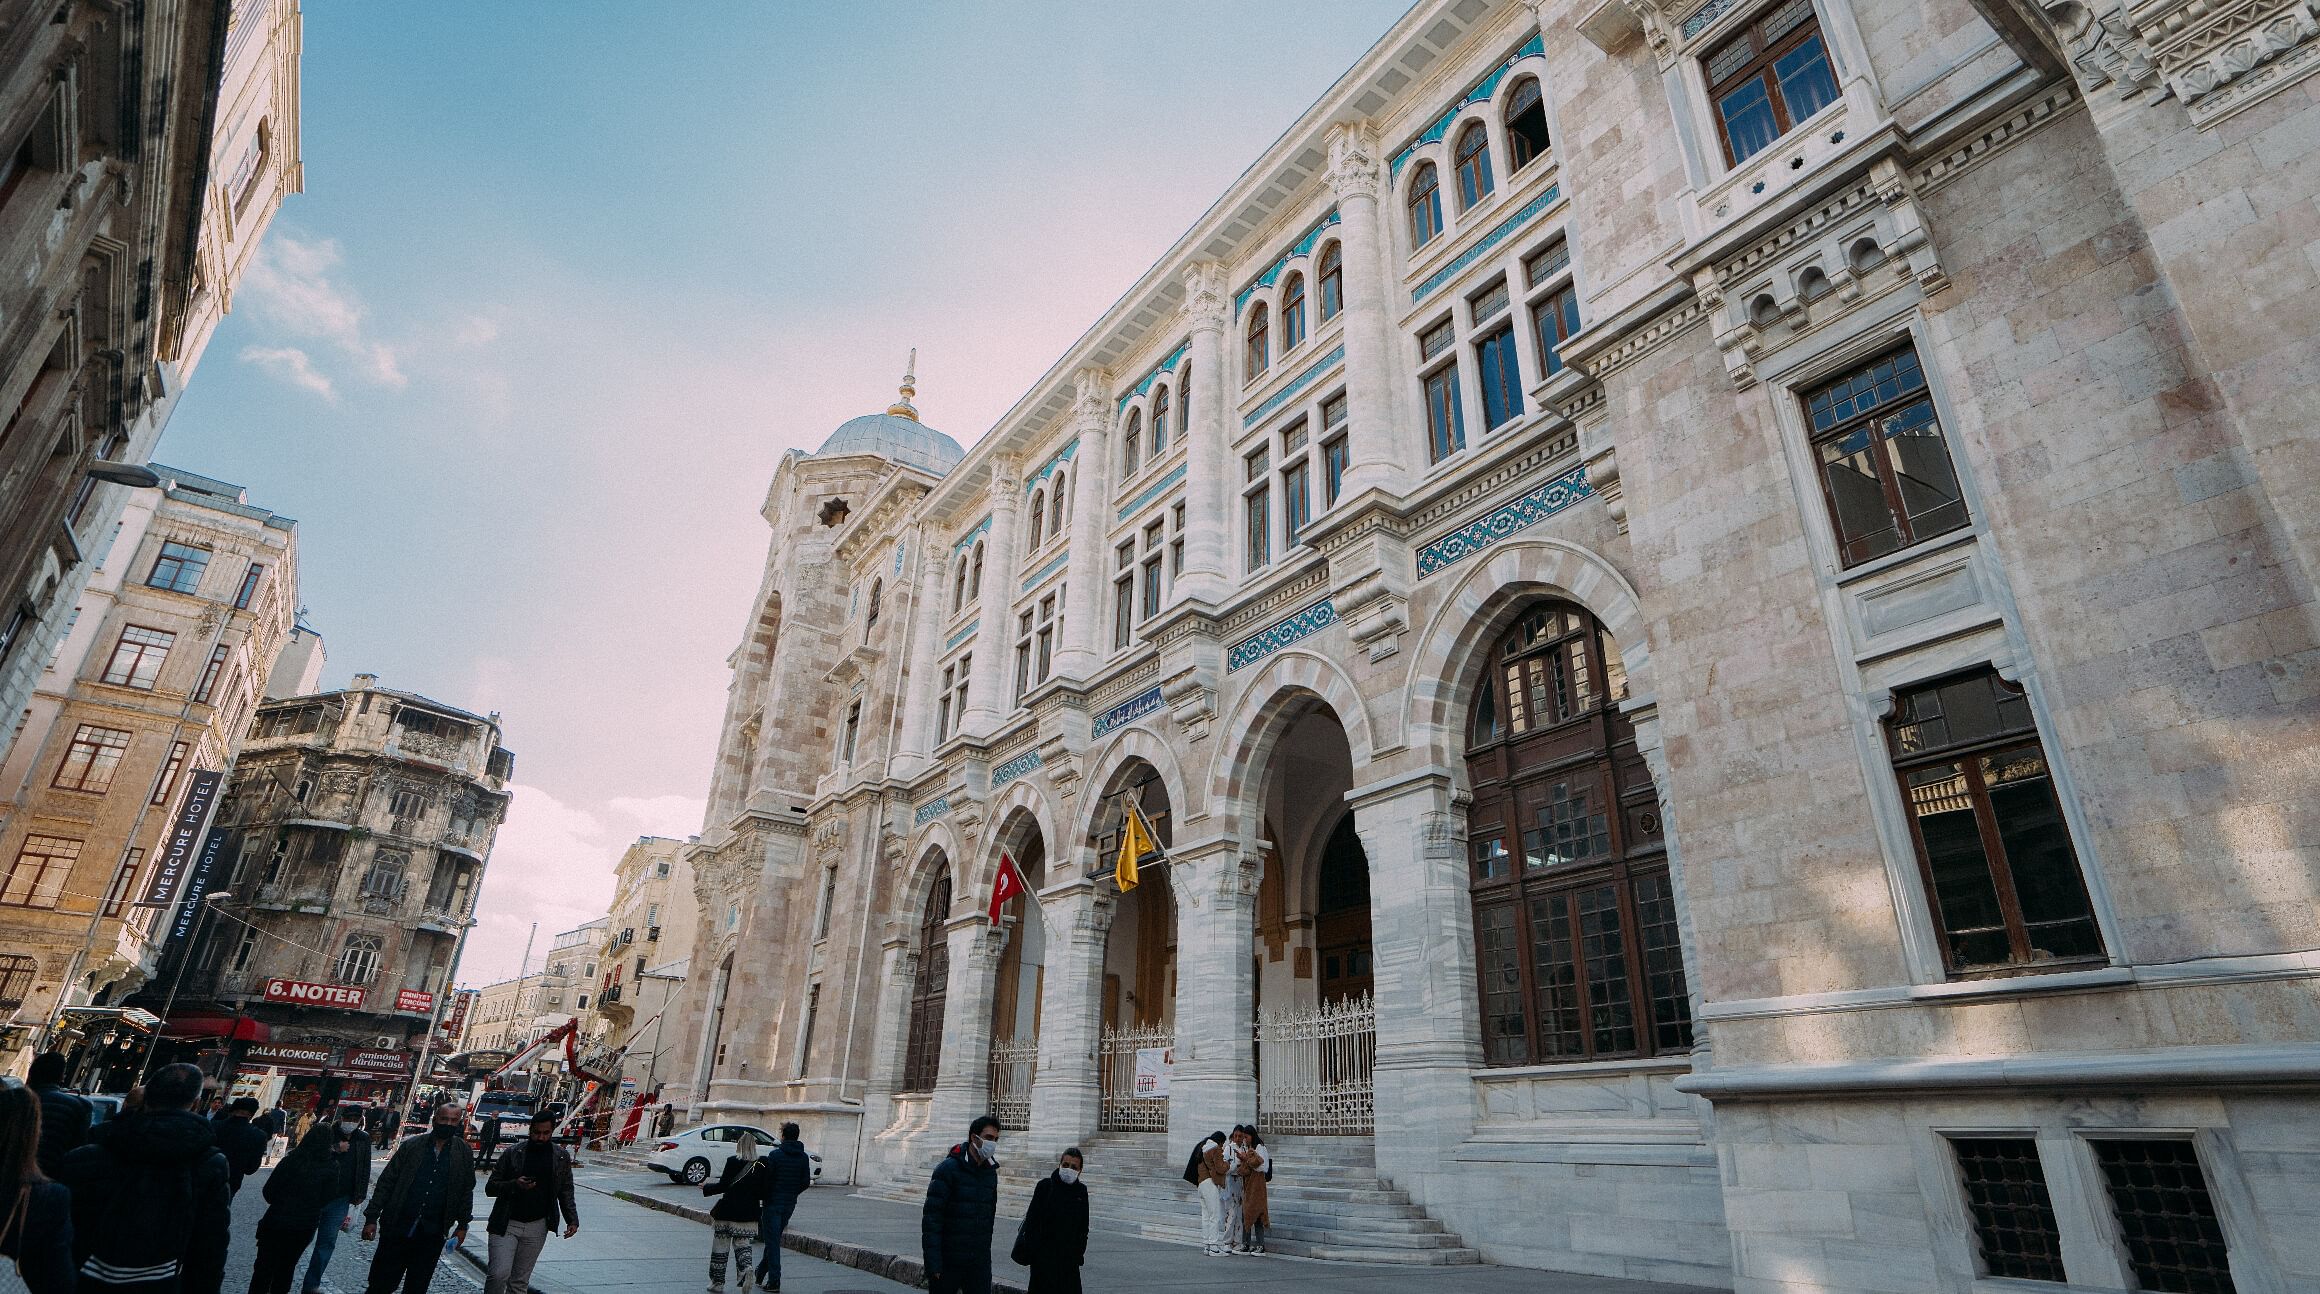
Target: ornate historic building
point(1712, 605)
point(640, 962)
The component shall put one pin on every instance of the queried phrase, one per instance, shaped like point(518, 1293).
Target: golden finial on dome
point(902, 408)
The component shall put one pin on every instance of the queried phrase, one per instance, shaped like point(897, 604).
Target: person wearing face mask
point(350, 1155)
point(426, 1192)
point(1053, 1239)
point(530, 1186)
point(962, 1203)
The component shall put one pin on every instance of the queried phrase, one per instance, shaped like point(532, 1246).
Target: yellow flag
point(1135, 842)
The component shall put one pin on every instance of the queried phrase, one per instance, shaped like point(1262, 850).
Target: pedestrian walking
point(152, 1196)
point(962, 1202)
point(35, 1213)
point(65, 1115)
point(350, 1156)
point(422, 1204)
point(1256, 1171)
point(1206, 1172)
point(296, 1192)
point(790, 1171)
point(242, 1140)
point(530, 1185)
point(1053, 1239)
point(733, 1220)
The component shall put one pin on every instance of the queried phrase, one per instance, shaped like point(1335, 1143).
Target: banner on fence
point(1153, 1065)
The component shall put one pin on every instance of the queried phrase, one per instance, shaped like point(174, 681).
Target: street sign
point(416, 1001)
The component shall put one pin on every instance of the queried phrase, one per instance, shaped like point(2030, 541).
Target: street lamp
point(132, 474)
point(192, 947)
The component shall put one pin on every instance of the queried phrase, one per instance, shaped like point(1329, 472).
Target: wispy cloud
point(292, 365)
point(293, 286)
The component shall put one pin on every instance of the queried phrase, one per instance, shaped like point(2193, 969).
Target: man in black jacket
point(152, 1205)
point(243, 1142)
point(351, 1152)
point(530, 1185)
point(793, 1172)
point(427, 1192)
point(64, 1114)
point(962, 1202)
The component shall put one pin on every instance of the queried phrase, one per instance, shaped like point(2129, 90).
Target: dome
point(889, 435)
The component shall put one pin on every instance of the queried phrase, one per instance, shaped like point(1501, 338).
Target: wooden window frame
point(930, 991)
point(1517, 107)
point(84, 758)
point(1472, 166)
point(1760, 67)
point(1424, 206)
point(1292, 313)
point(1876, 416)
point(1329, 280)
point(1257, 351)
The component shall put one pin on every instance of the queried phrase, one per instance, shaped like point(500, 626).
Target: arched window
point(1425, 206)
point(1160, 413)
point(975, 576)
point(922, 1057)
point(1259, 355)
point(1057, 492)
point(1184, 394)
point(1574, 916)
point(1526, 123)
point(1293, 312)
point(959, 582)
point(1038, 521)
point(1332, 278)
point(1473, 158)
point(870, 617)
point(358, 963)
point(1132, 444)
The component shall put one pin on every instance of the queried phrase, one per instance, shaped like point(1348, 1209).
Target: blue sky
point(568, 277)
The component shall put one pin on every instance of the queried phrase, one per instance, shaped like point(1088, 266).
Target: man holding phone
point(530, 1186)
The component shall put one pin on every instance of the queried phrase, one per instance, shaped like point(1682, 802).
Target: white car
point(695, 1155)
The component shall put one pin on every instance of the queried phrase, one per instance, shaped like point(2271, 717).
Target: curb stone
point(899, 1268)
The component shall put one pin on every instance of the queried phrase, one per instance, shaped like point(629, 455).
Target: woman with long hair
point(306, 1180)
point(35, 1213)
point(733, 1219)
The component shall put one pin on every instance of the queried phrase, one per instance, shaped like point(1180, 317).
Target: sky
point(568, 277)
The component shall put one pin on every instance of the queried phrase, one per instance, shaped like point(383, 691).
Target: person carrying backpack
point(65, 1115)
point(35, 1213)
point(152, 1196)
point(1206, 1171)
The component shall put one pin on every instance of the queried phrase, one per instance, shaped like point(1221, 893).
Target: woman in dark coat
point(35, 1213)
point(1053, 1242)
point(733, 1220)
point(307, 1179)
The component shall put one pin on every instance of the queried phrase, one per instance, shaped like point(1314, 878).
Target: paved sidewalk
point(885, 1235)
point(624, 1248)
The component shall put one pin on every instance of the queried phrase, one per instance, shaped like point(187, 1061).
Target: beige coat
point(1253, 1211)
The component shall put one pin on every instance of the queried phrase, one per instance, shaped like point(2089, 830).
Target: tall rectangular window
point(1769, 77)
point(1296, 502)
point(1445, 421)
point(1336, 449)
point(853, 730)
point(1885, 463)
point(92, 759)
point(39, 873)
point(124, 881)
point(1123, 595)
point(821, 909)
point(1043, 644)
point(178, 568)
point(2166, 1215)
point(2014, 1224)
point(1023, 678)
point(959, 693)
point(1155, 538)
point(251, 579)
point(164, 785)
point(1501, 374)
point(203, 690)
point(137, 657)
point(1176, 541)
point(806, 1035)
point(2000, 873)
point(1555, 313)
point(942, 706)
point(1257, 509)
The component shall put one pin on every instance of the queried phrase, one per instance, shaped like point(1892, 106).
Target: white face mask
point(990, 1148)
point(1067, 1175)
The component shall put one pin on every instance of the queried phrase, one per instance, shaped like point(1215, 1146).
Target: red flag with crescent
point(1008, 884)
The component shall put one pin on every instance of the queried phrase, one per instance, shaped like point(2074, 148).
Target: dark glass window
point(1332, 279)
point(2166, 1216)
point(1575, 924)
point(1445, 417)
point(1160, 413)
point(137, 657)
point(1473, 161)
point(1526, 123)
point(1769, 77)
point(1259, 355)
point(1885, 463)
point(1293, 312)
point(922, 1056)
point(178, 568)
point(1425, 206)
point(1296, 502)
point(2014, 1225)
point(1132, 445)
point(1502, 400)
point(1556, 316)
point(1999, 869)
point(250, 581)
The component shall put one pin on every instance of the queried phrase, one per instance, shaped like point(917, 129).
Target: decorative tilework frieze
point(1062, 559)
point(931, 810)
point(1028, 761)
point(1706, 14)
point(1302, 247)
point(1151, 492)
point(1298, 383)
point(963, 634)
point(1047, 469)
point(1484, 245)
point(1500, 522)
point(1167, 364)
point(1274, 637)
point(1475, 93)
point(1126, 712)
point(967, 540)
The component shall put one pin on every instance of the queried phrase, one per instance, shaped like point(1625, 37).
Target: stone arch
point(1135, 742)
point(1281, 692)
point(1025, 796)
point(1457, 637)
point(936, 849)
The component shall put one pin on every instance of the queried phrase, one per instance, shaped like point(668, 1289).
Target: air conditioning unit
point(386, 1040)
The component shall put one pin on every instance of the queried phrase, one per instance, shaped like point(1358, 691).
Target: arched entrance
point(1139, 969)
point(1016, 992)
point(1316, 1031)
point(922, 1053)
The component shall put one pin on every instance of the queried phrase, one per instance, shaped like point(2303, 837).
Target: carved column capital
point(1091, 401)
point(1354, 169)
point(1207, 303)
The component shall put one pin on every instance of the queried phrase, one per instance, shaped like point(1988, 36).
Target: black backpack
point(1192, 1165)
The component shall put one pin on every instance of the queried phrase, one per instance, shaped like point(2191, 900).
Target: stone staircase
point(1326, 1198)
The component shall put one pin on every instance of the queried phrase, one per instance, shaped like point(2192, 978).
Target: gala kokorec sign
point(348, 997)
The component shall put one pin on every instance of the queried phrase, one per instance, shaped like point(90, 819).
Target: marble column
point(1429, 1027)
point(1207, 557)
point(1382, 452)
point(1083, 627)
point(1066, 1098)
point(925, 648)
point(897, 975)
point(1215, 1081)
point(990, 693)
point(962, 1088)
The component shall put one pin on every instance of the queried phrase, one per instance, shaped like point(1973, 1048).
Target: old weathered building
point(646, 935)
point(1711, 602)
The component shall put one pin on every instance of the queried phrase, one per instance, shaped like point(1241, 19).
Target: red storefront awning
point(231, 1027)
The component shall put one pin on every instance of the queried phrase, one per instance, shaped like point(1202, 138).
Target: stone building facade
point(646, 935)
point(1712, 604)
point(161, 668)
point(502, 1018)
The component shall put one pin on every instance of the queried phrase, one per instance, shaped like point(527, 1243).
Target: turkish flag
point(1007, 885)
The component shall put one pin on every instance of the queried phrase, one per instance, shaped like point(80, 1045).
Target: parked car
point(695, 1155)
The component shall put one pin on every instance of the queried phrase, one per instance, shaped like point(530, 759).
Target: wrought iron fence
point(1014, 1065)
point(1316, 1068)
point(1123, 1110)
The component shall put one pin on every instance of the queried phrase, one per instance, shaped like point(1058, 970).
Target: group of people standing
point(1231, 1172)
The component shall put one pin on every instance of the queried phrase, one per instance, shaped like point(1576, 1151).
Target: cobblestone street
point(350, 1263)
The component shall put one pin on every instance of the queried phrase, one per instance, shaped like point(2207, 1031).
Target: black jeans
point(276, 1265)
point(407, 1261)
